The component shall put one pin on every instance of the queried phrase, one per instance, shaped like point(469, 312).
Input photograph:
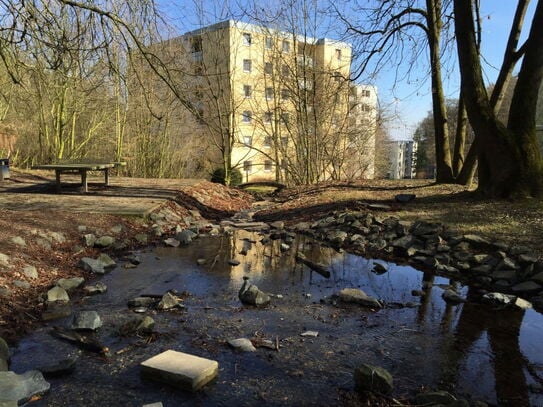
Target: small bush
point(235, 177)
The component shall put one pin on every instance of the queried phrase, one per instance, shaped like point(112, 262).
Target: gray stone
point(43, 243)
point(180, 369)
point(310, 334)
point(104, 241)
point(498, 299)
point(87, 320)
point(337, 237)
point(20, 388)
point(538, 278)
point(251, 294)
point(482, 269)
point(284, 247)
point(527, 287)
point(172, 242)
point(462, 256)
point(507, 264)
point(19, 241)
point(58, 368)
point(57, 237)
point(279, 225)
point(374, 379)
point(357, 296)
point(107, 262)
point(98, 288)
point(482, 258)
point(21, 284)
point(508, 275)
point(518, 249)
point(4, 260)
point(70, 284)
point(57, 294)
point(146, 325)
point(403, 242)
point(141, 302)
point(201, 262)
point(420, 228)
point(242, 344)
point(476, 240)
point(30, 272)
point(523, 304)
point(186, 237)
point(452, 296)
point(527, 258)
point(116, 229)
point(81, 228)
point(157, 404)
point(169, 301)
point(141, 238)
point(92, 265)
point(434, 398)
point(90, 239)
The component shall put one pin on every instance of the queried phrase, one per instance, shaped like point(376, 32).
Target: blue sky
point(406, 103)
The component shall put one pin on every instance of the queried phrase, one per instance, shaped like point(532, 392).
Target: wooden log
point(318, 267)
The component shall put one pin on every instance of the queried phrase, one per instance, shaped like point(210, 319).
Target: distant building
point(403, 159)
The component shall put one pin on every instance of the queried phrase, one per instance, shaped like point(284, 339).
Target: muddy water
point(470, 349)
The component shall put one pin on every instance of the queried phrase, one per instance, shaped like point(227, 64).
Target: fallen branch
point(82, 341)
point(319, 268)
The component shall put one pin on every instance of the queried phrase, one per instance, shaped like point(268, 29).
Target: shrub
point(235, 177)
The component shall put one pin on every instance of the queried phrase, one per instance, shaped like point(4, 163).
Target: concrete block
point(180, 369)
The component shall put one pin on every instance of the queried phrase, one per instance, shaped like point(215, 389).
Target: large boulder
point(57, 294)
point(87, 320)
point(21, 388)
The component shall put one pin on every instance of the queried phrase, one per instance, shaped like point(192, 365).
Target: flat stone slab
point(180, 369)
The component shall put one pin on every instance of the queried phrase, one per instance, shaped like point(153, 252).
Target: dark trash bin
point(4, 168)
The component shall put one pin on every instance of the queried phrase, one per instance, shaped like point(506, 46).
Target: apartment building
point(403, 159)
point(279, 106)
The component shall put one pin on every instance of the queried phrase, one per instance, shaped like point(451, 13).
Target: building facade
point(278, 106)
point(403, 159)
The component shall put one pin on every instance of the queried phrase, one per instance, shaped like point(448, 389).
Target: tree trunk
point(444, 173)
point(509, 158)
point(460, 139)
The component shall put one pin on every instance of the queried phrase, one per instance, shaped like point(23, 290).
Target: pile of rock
point(432, 246)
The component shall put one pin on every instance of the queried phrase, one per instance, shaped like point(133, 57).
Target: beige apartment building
point(279, 106)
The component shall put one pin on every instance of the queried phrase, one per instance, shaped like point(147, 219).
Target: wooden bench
point(81, 167)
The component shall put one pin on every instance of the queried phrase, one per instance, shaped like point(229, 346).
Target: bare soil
point(514, 222)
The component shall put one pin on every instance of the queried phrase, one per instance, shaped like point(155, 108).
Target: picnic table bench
point(81, 167)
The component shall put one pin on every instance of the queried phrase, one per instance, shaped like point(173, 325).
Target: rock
point(21, 284)
point(19, 241)
point(107, 262)
point(527, 287)
point(279, 225)
point(57, 294)
point(70, 284)
point(30, 272)
point(284, 247)
point(421, 228)
point(21, 388)
point(507, 264)
point(538, 278)
point(4, 355)
point(141, 302)
point(310, 334)
point(98, 288)
point(172, 242)
point(4, 260)
point(354, 295)
point(498, 299)
point(434, 398)
point(379, 268)
point(116, 229)
point(250, 294)
point(186, 237)
point(92, 265)
point(137, 325)
point(374, 379)
point(527, 258)
point(201, 262)
point(452, 296)
point(141, 238)
point(523, 304)
point(169, 301)
point(476, 240)
point(403, 242)
point(242, 344)
point(146, 325)
point(157, 404)
point(336, 237)
point(104, 241)
point(508, 275)
point(404, 198)
point(5, 292)
point(180, 369)
point(62, 367)
point(90, 239)
point(87, 320)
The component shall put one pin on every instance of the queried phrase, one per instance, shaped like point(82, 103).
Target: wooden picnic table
point(82, 168)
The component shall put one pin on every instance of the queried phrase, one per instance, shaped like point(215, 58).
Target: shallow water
point(470, 349)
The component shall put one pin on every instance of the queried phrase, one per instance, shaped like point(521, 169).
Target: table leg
point(84, 180)
point(57, 177)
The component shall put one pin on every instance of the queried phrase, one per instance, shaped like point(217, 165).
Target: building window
point(268, 68)
point(247, 116)
point(196, 44)
point(267, 141)
point(286, 46)
point(338, 54)
point(246, 39)
point(247, 91)
point(269, 42)
point(248, 141)
point(285, 71)
point(285, 94)
point(284, 164)
point(366, 93)
point(247, 65)
point(284, 142)
point(285, 117)
point(267, 166)
point(268, 117)
point(269, 93)
point(247, 166)
point(365, 107)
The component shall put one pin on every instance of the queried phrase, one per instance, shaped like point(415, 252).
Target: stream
point(471, 349)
